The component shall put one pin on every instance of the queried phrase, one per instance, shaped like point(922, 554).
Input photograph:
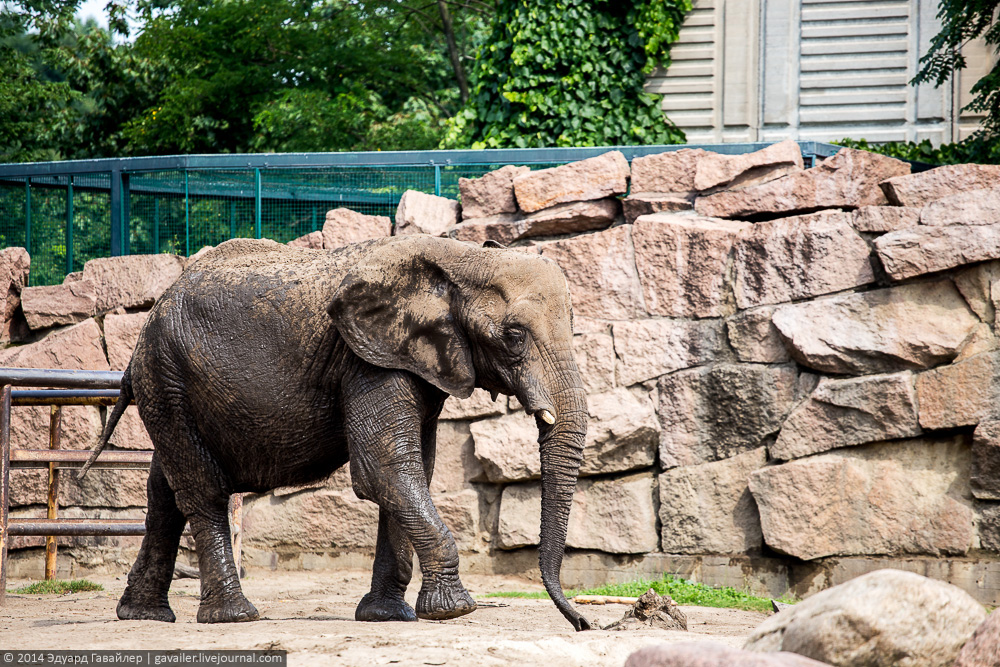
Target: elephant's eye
point(515, 336)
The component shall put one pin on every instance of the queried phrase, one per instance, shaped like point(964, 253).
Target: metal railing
point(93, 388)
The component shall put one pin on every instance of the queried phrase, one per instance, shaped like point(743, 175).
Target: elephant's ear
point(394, 310)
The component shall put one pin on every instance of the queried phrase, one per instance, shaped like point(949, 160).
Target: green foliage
point(58, 587)
point(682, 591)
point(962, 21)
point(980, 148)
point(570, 73)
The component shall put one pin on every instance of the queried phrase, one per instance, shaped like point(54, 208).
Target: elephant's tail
point(124, 398)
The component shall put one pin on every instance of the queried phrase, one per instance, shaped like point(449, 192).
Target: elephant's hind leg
point(145, 597)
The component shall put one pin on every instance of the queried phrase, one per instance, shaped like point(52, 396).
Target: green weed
point(58, 587)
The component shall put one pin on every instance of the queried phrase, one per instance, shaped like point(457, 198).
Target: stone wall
point(791, 374)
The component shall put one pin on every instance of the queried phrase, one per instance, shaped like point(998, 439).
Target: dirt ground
point(311, 615)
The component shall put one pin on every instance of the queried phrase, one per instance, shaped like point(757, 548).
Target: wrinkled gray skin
point(267, 366)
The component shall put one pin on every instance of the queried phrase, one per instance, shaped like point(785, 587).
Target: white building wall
point(766, 70)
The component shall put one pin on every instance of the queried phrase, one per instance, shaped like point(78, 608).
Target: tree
point(963, 21)
point(570, 73)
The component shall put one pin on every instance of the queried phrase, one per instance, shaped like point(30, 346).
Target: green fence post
point(69, 225)
point(126, 216)
point(156, 226)
point(437, 180)
point(232, 220)
point(187, 217)
point(116, 212)
point(257, 231)
point(27, 216)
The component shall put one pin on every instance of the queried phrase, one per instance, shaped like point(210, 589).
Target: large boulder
point(985, 475)
point(311, 241)
point(708, 509)
point(975, 207)
point(682, 262)
point(121, 333)
point(754, 337)
point(905, 497)
point(671, 172)
point(479, 404)
point(612, 515)
point(960, 394)
point(99, 488)
point(980, 286)
point(329, 518)
point(881, 219)
point(133, 281)
point(600, 270)
point(712, 654)
point(622, 435)
point(718, 411)
point(51, 305)
point(490, 194)
point(928, 186)
point(851, 411)
point(594, 178)
point(918, 250)
point(646, 203)
point(983, 647)
point(572, 217)
point(849, 180)
point(595, 357)
point(15, 265)
point(421, 213)
point(886, 617)
point(455, 463)
point(716, 170)
point(799, 257)
point(647, 349)
point(343, 226)
point(907, 327)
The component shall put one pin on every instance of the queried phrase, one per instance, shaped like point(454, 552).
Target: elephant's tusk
point(547, 417)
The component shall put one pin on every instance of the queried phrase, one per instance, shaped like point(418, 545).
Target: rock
point(989, 527)
point(204, 250)
point(133, 281)
point(15, 265)
point(100, 488)
point(754, 337)
point(920, 189)
point(646, 203)
point(909, 327)
point(343, 226)
point(51, 305)
point(711, 654)
point(312, 240)
point(622, 435)
point(985, 475)
point(611, 515)
point(799, 257)
point(594, 178)
point(708, 509)
point(560, 219)
point(919, 250)
point(719, 411)
point(314, 519)
point(121, 333)
point(490, 194)
point(961, 394)
point(74, 348)
point(886, 617)
point(600, 270)
point(879, 219)
point(850, 179)
point(984, 646)
point(81, 427)
point(460, 512)
point(480, 404)
point(682, 262)
point(647, 349)
point(595, 357)
point(421, 213)
point(981, 340)
point(980, 286)
point(852, 411)
point(652, 611)
point(895, 498)
point(671, 172)
point(716, 170)
point(131, 432)
point(975, 207)
point(456, 465)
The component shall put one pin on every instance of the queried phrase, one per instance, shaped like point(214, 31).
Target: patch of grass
point(58, 587)
point(682, 591)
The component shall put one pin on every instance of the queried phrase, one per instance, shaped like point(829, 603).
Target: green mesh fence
point(68, 213)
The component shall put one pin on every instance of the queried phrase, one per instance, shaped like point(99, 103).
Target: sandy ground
point(311, 615)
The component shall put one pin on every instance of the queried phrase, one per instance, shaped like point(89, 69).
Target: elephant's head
point(462, 317)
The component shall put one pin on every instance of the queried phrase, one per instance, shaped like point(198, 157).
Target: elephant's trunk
point(561, 448)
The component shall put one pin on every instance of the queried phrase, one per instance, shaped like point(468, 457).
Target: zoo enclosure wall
point(65, 213)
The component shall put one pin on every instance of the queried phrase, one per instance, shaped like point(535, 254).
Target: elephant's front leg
point(390, 575)
point(383, 415)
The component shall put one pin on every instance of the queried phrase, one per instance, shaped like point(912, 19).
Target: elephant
point(266, 366)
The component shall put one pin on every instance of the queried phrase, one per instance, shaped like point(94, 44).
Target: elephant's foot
point(444, 598)
point(130, 610)
point(384, 608)
point(233, 610)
